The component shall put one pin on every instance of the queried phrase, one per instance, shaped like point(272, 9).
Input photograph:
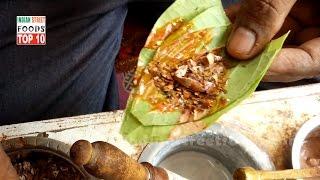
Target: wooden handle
point(106, 161)
point(248, 173)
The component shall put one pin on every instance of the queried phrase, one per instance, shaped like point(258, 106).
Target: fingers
point(257, 22)
point(294, 64)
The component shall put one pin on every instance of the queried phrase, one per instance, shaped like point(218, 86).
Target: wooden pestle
point(248, 173)
point(106, 161)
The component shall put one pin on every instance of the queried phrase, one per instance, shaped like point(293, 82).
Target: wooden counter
point(269, 118)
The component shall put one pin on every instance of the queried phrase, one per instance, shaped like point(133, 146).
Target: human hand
point(258, 21)
point(7, 171)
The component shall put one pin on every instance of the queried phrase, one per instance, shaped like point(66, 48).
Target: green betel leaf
point(135, 132)
point(185, 9)
point(145, 123)
point(246, 76)
point(219, 26)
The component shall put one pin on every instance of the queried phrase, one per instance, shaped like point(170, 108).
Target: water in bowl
point(196, 166)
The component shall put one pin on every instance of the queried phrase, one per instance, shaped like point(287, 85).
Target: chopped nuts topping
point(193, 85)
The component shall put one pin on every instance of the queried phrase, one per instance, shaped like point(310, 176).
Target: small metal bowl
point(304, 132)
point(229, 148)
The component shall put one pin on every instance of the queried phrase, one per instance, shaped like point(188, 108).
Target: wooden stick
point(248, 173)
point(106, 161)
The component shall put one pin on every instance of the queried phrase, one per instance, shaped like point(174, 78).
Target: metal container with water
point(213, 154)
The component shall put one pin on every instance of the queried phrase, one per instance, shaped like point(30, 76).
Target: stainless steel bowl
point(227, 148)
point(307, 129)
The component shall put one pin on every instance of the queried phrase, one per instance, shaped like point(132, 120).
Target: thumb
point(294, 64)
point(256, 24)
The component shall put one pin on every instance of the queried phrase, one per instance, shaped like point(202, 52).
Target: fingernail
point(242, 41)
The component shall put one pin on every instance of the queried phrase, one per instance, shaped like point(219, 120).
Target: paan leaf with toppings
point(186, 30)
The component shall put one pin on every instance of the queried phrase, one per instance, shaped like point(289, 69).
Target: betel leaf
point(135, 132)
point(184, 9)
point(144, 124)
point(219, 26)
